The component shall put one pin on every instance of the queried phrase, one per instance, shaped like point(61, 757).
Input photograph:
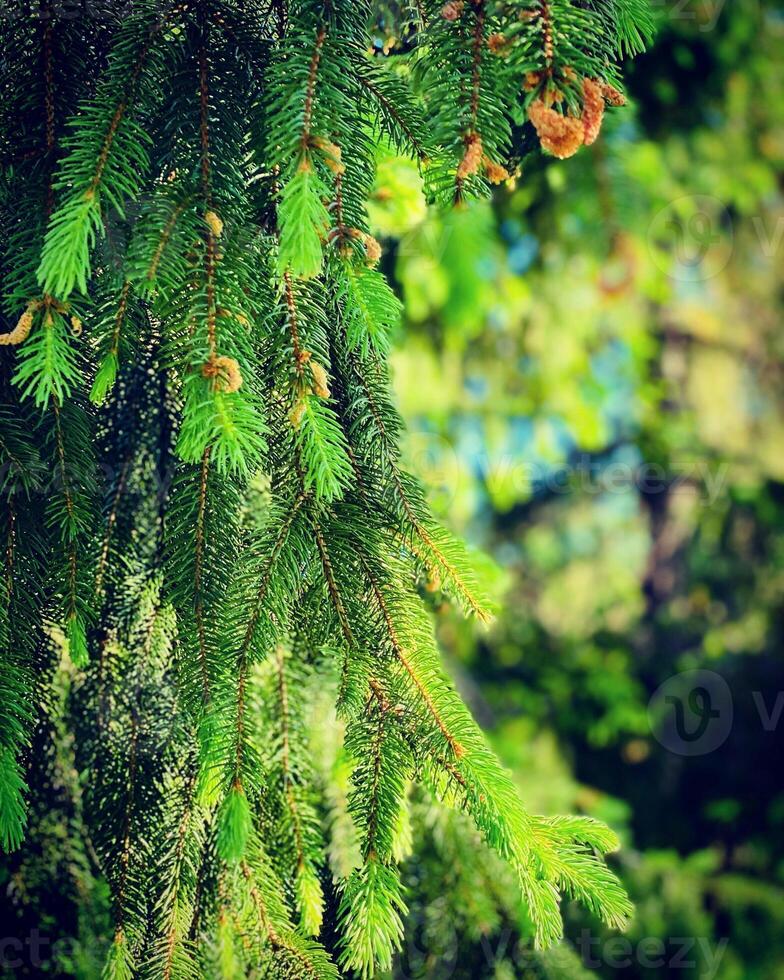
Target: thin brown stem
point(247, 639)
point(402, 657)
point(283, 695)
point(547, 34)
point(206, 184)
point(310, 91)
point(199, 574)
point(417, 526)
point(182, 836)
point(163, 241)
point(334, 592)
point(291, 307)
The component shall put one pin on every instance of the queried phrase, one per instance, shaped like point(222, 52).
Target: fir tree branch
point(198, 578)
point(164, 239)
point(293, 324)
point(71, 532)
point(429, 551)
point(310, 90)
point(111, 521)
point(227, 300)
point(400, 653)
point(414, 139)
point(173, 939)
point(48, 69)
point(332, 586)
point(283, 694)
point(472, 134)
point(206, 184)
point(265, 580)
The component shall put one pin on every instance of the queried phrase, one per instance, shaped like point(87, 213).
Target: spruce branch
point(186, 238)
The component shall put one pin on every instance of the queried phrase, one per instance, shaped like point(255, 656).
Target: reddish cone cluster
point(562, 134)
point(225, 374)
point(475, 159)
point(452, 10)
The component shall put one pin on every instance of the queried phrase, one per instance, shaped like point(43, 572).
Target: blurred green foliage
point(592, 375)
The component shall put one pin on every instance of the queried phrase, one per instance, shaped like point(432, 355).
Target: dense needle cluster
point(206, 524)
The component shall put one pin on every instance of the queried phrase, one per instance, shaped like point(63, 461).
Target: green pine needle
point(104, 379)
point(235, 824)
point(13, 811)
point(304, 222)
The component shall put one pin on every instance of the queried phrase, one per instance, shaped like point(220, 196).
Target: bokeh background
point(591, 371)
